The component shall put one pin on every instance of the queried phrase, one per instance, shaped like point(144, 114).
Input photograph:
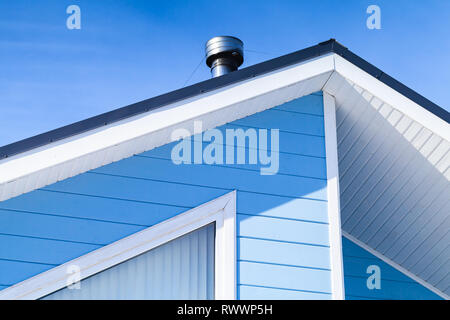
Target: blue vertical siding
point(282, 222)
point(394, 284)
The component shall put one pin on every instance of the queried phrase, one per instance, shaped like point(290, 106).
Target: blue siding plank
point(282, 207)
point(289, 164)
point(289, 143)
point(230, 178)
point(295, 143)
point(284, 277)
point(187, 196)
point(247, 292)
point(282, 230)
point(16, 271)
point(293, 122)
point(311, 104)
point(41, 250)
point(63, 228)
point(92, 207)
point(283, 253)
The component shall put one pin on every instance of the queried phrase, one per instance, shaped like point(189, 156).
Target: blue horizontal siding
point(63, 228)
point(394, 284)
point(18, 270)
point(311, 104)
point(40, 250)
point(138, 189)
point(230, 177)
point(279, 207)
point(282, 222)
point(93, 207)
point(290, 143)
point(296, 143)
point(312, 167)
point(287, 277)
point(283, 230)
point(250, 292)
point(284, 253)
point(276, 119)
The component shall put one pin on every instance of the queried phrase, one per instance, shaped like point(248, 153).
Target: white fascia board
point(395, 266)
point(333, 196)
point(62, 159)
point(392, 97)
point(221, 211)
point(226, 251)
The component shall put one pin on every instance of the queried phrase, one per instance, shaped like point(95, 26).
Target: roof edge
point(329, 46)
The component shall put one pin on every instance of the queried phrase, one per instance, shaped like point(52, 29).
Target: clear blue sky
point(127, 51)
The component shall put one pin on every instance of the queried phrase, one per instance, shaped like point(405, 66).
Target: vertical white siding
point(180, 269)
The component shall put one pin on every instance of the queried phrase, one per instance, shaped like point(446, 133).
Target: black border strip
point(330, 46)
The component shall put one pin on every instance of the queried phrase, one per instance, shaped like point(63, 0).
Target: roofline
point(330, 46)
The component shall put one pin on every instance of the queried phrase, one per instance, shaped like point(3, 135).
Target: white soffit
point(68, 157)
point(394, 168)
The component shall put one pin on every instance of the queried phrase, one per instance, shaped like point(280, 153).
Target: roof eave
point(323, 48)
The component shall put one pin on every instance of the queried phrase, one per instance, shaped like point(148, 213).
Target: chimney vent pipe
point(224, 54)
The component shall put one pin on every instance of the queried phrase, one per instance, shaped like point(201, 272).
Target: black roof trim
point(330, 46)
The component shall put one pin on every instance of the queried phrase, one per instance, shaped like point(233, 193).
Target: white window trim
point(334, 210)
point(221, 210)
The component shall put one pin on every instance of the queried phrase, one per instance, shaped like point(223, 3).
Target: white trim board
point(346, 70)
point(396, 266)
point(221, 211)
point(334, 213)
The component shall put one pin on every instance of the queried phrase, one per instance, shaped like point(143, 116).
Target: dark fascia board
point(330, 46)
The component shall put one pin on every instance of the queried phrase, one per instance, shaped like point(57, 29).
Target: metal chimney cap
point(225, 53)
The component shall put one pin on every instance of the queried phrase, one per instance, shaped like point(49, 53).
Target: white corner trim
point(222, 211)
point(225, 253)
point(395, 265)
point(392, 97)
point(334, 212)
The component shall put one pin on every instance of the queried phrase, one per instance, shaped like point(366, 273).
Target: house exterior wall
point(393, 284)
point(283, 248)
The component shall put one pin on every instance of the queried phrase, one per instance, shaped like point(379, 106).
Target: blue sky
point(127, 51)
